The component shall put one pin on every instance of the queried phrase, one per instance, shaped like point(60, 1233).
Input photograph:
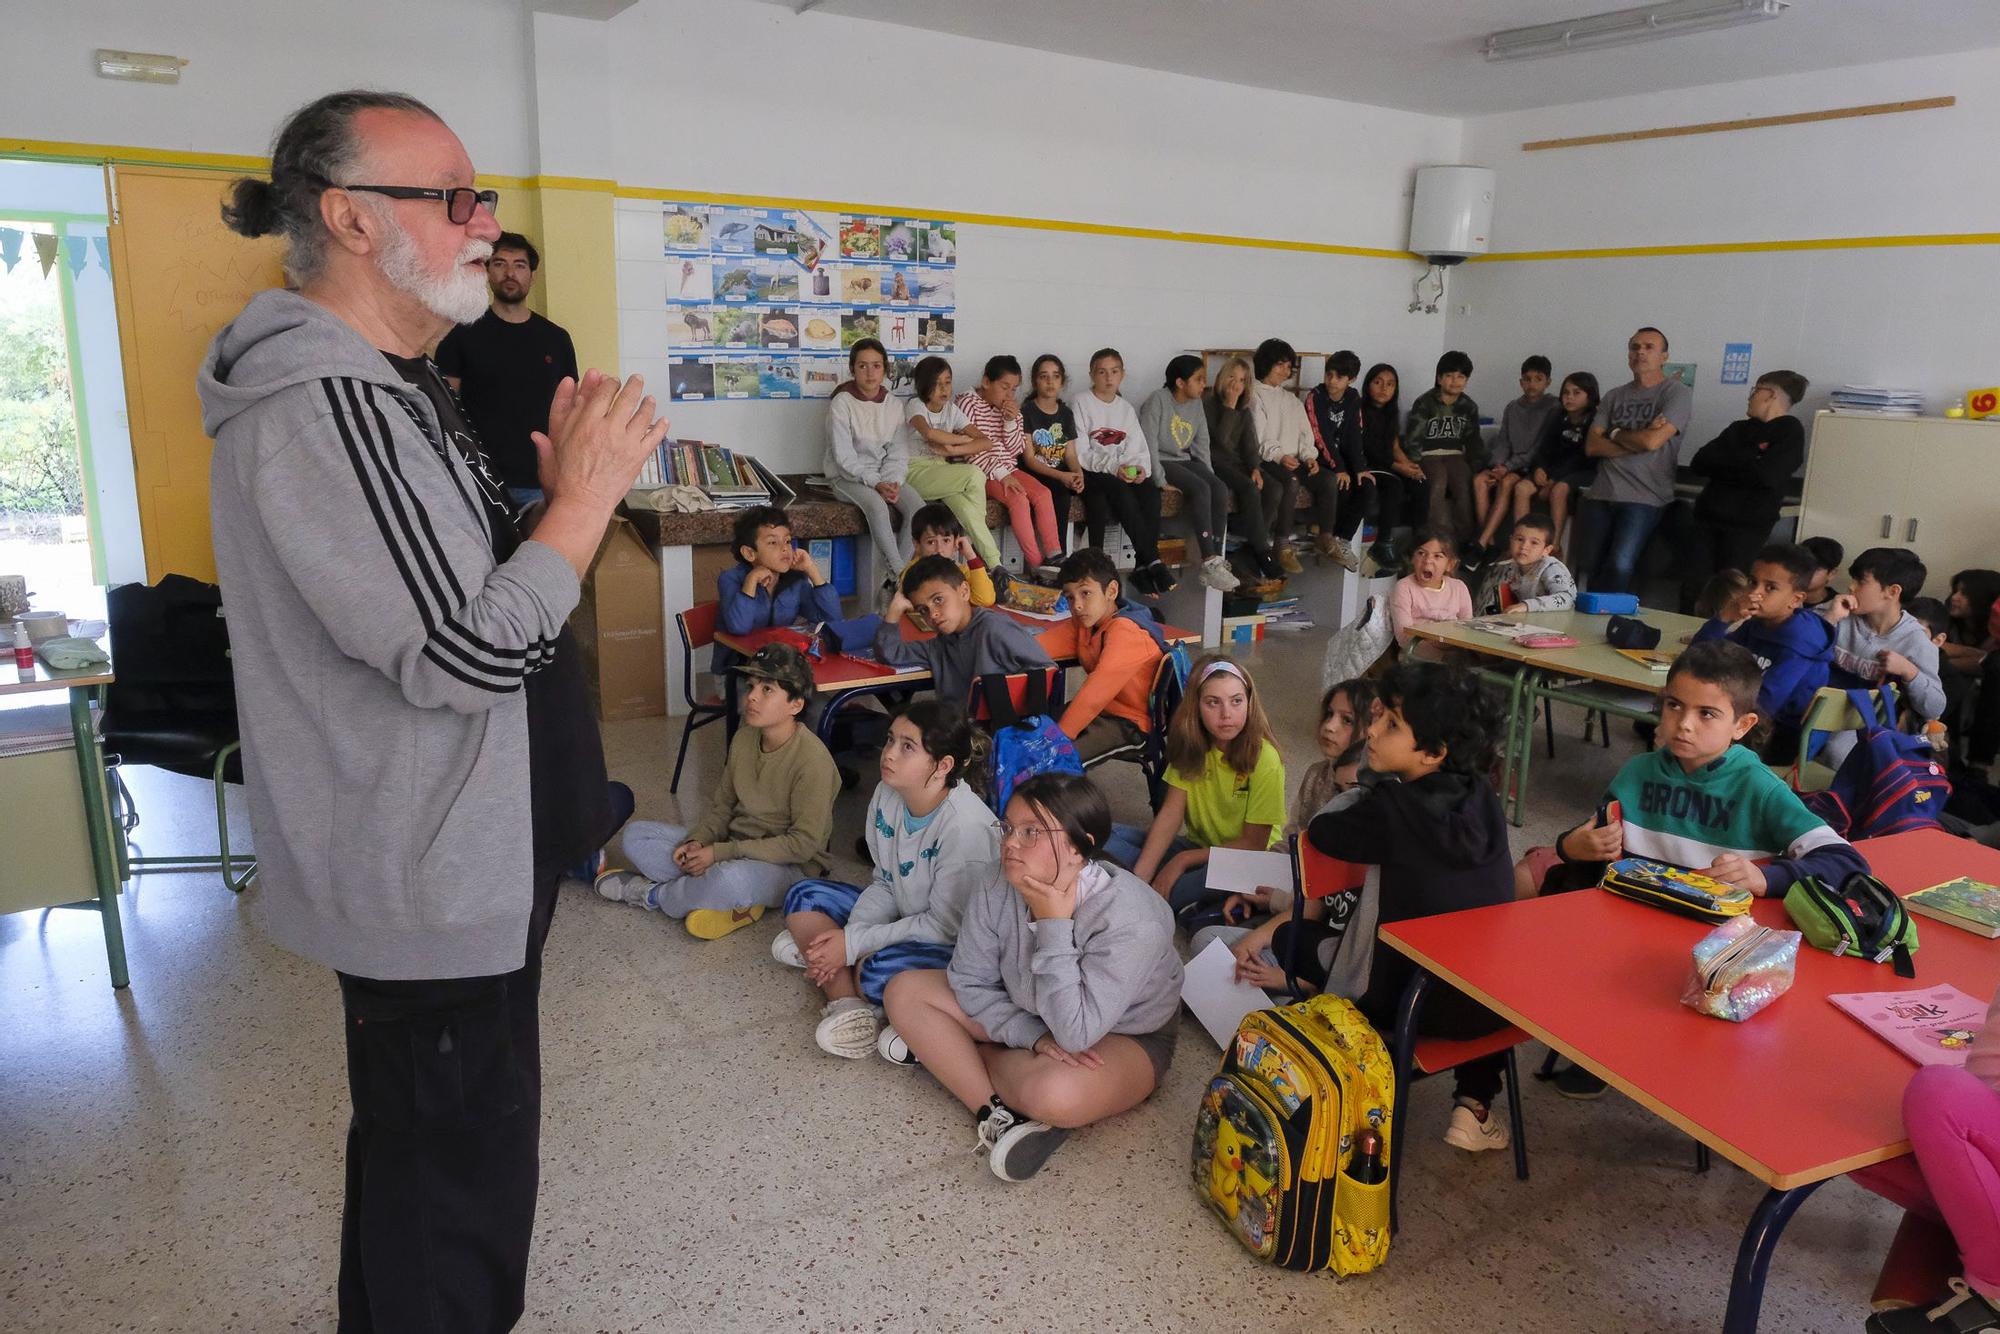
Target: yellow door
point(179, 276)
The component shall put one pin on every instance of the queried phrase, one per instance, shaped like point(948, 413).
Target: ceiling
point(1423, 55)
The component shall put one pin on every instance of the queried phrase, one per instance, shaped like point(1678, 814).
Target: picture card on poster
point(734, 280)
point(691, 326)
point(690, 379)
point(819, 328)
point(856, 325)
point(778, 378)
point(822, 375)
point(899, 329)
point(778, 327)
point(738, 378)
point(737, 327)
point(690, 280)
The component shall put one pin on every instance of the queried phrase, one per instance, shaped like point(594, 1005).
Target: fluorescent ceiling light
point(1628, 25)
point(141, 66)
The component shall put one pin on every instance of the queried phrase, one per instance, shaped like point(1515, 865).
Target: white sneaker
point(847, 1028)
point(786, 951)
point(891, 1048)
point(1215, 572)
point(621, 886)
point(1470, 1133)
point(1344, 552)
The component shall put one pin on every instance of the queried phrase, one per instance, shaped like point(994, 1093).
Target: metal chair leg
point(231, 881)
point(1549, 718)
point(1514, 1117)
point(1405, 1052)
point(1701, 1159)
point(687, 735)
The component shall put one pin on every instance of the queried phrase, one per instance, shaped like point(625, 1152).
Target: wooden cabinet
point(1926, 483)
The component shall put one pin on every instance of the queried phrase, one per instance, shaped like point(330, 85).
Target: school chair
point(697, 631)
point(173, 707)
point(1005, 700)
point(1150, 752)
point(1830, 711)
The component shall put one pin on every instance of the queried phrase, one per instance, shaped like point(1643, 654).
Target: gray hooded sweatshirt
point(1111, 968)
point(380, 654)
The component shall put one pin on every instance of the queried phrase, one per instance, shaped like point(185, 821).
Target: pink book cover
point(1931, 1025)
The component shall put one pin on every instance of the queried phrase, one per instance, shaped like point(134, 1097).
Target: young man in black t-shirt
point(505, 366)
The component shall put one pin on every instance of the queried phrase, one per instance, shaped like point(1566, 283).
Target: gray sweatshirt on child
point(380, 654)
point(922, 878)
point(1175, 432)
point(1111, 968)
point(1544, 586)
point(1855, 650)
point(991, 642)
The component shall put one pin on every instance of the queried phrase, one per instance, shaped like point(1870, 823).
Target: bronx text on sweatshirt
point(1731, 804)
point(380, 654)
point(925, 870)
point(1110, 967)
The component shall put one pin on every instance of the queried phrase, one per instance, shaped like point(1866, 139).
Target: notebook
point(1931, 1025)
point(1971, 905)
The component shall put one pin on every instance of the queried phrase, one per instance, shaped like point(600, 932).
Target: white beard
point(459, 295)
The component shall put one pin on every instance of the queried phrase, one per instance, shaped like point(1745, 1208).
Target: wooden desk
point(1796, 1095)
point(82, 686)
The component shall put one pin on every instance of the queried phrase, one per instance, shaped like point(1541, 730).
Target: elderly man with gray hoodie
point(420, 760)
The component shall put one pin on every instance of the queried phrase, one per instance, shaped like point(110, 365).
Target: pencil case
point(1689, 893)
point(1607, 604)
point(1739, 968)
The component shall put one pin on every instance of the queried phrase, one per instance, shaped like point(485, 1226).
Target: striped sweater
point(380, 654)
point(1732, 804)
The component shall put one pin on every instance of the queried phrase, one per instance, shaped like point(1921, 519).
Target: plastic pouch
point(1739, 968)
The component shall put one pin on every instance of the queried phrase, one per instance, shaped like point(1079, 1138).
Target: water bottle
point(1365, 1163)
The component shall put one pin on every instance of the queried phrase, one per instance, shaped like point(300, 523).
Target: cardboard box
point(621, 629)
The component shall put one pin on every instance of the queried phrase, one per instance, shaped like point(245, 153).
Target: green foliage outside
point(39, 469)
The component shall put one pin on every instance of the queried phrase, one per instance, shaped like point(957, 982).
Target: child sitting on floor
point(931, 841)
point(970, 641)
point(1700, 801)
point(1429, 592)
point(1793, 646)
point(772, 582)
point(936, 531)
point(766, 827)
point(1119, 647)
point(1062, 1002)
point(1225, 788)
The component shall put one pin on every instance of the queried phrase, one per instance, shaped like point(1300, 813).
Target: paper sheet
point(1241, 870)
point(1210, 988)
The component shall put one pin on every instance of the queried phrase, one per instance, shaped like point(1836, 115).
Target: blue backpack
point(1149, 620)
point(1026, 740)
point(1889, 783)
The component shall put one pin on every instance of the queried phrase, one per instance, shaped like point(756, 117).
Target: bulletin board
point(763, 303)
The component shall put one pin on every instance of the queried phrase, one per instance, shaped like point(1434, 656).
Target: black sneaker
point(1140, 581)
point(1016, 1147)
point(1162, 576)
point(1962, 1312)
point(1579, 1084)
point(1268, 566)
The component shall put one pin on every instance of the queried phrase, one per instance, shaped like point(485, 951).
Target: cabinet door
point(1858, 472)
point(1952, 501)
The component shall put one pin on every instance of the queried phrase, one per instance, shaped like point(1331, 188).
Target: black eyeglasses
point(459, 203)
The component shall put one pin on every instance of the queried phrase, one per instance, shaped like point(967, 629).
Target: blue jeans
point(1127, 841)
point(1610, 536)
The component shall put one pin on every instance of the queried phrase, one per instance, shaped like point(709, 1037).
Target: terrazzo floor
point(170, 1156)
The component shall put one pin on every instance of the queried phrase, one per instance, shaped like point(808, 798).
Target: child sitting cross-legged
point(1119, 647)
point(1700, 801)
point(1432, 825)
point(931, 839)
point(1533, 579)
point(1062, 1002)
point(1225, 789)
point(766, 827)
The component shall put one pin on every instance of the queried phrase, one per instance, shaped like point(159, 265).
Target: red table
point(1797, 1095)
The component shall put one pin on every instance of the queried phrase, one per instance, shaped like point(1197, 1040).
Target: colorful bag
point(1689, 893)
point(1278, 1143)
point(1026, 740)
point(1888, 784)
point(1864, 918)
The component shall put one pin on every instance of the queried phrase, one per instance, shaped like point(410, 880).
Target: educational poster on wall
point(1684, 371)
point(763, 303)
point(1736, 363)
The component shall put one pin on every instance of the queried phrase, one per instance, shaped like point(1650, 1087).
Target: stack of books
point(1284, 613)
point(733, 481)
point(1874, 400)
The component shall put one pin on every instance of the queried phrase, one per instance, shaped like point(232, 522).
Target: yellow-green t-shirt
point(1221, 801)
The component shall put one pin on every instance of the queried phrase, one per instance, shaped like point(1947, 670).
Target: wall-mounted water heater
point(1453, 213)
point(1450, 220)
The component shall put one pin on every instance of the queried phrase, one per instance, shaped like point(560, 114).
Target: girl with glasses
point(1062, 1001)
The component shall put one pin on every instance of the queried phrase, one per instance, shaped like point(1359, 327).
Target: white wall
point(253, 61)
point(748, 99)
point(1924, 317)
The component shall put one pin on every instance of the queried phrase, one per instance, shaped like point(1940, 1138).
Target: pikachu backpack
point(1291, 1146)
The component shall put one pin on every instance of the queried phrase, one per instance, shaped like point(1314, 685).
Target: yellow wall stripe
point(59, 150)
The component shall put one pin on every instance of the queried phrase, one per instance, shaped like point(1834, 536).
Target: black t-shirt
point(1050, 434)
point(567, 791)
point(506, 374)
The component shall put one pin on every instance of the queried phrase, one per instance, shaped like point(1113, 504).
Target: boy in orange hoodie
point(1119, 646)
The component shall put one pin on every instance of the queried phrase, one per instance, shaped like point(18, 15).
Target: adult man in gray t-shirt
point(1637, 437)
